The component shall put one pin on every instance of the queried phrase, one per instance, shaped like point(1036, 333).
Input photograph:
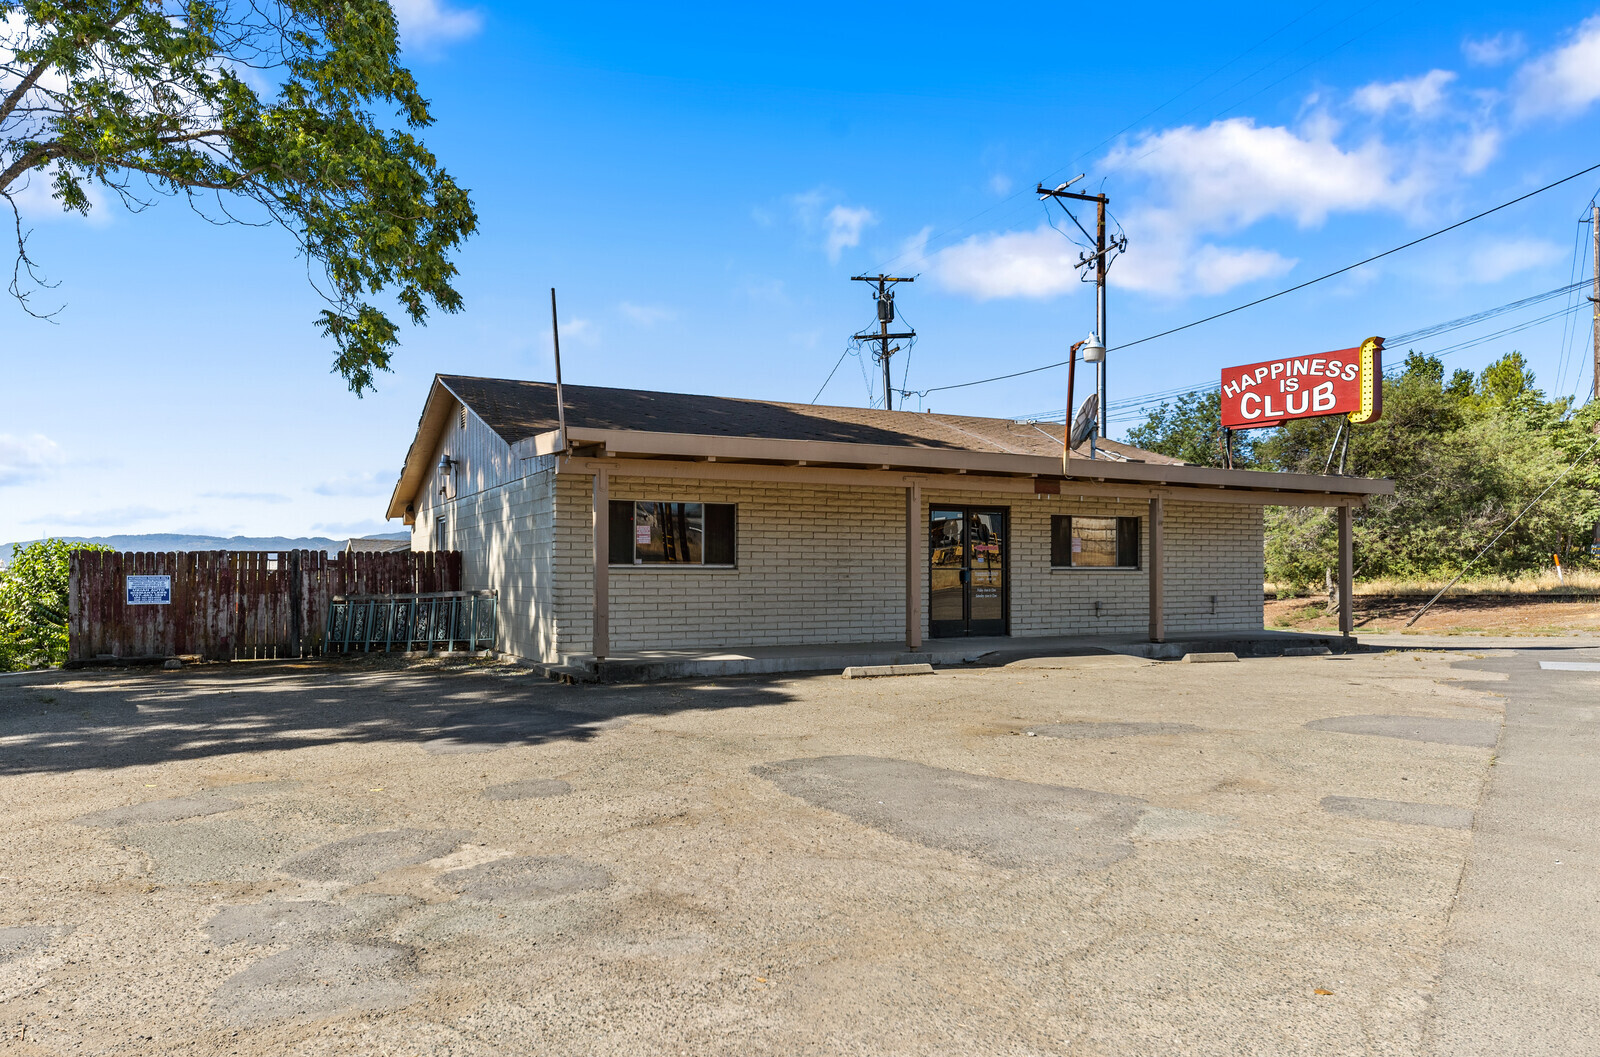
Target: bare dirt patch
point(1462, 615)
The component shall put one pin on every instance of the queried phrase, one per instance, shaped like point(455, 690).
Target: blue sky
point(700, 184)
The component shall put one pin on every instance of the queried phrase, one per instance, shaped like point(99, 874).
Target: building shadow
point(111, 720)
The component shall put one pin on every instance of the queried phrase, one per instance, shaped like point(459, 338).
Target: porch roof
point(641, 424)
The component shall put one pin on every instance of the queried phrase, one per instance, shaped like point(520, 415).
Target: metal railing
point(443, 621)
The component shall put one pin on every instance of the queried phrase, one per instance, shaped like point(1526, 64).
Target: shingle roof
point(517, 410)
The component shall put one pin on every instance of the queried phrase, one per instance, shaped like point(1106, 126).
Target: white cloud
point(1000, 184)
point(1205, 185)
point(1423, 96)
point(1563, 81)
point(357, 484)
point(844, 229)
point(1494, 51)
point(26, 458)
point(1038, 264)
point(1491, 263)
point(647, 315)
point(1233, 173)
point(428, 23)
point(839, 226)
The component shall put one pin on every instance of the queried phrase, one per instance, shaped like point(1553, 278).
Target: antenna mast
point(884, 296)
point(561, 403)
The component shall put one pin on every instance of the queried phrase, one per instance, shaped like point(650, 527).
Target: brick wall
point(826, 564)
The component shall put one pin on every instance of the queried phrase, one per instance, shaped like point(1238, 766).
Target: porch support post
point(602, 565)
point(1347, 622)
point(916, 561)
point(1158, 572)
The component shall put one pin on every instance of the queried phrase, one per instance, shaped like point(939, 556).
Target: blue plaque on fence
point(149, 590)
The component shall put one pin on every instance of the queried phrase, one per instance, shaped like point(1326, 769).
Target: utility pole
point(1594, 383)
point(884, 296)
point(1101, 262)
point(1594, 229)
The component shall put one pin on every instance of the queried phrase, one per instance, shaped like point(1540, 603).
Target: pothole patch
point(1444, 816)
point(151, 811)
point(526, 877)
point(220, 849)
point(274, 924)
point(317, 981)
point(1092, 730)
point(1478, 733)
point(996, 820)
point(357, 860)
point(528, 789)
point(19, 941)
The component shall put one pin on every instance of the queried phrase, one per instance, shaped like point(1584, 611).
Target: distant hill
point(172, 541)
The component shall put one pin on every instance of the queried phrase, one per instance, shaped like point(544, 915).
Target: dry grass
point(1545, 582)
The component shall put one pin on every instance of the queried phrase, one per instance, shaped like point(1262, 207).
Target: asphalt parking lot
point(1095, 855)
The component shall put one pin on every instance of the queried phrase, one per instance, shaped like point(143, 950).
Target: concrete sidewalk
point(650, 665)
point(1520, 971)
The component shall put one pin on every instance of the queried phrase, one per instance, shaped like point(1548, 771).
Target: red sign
point(1346, 382)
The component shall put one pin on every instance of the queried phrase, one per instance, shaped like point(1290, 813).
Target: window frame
point(1119, 519)
point(705, 548)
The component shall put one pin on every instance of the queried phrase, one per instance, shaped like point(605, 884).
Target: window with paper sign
point(650, 533)
point(1094, 542)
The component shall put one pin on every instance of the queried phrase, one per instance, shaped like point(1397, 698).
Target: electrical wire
point(1281, 293)
point(1502, 532)
point(825, 381)
point(1124, 410)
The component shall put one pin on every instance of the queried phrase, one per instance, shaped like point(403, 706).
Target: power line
point(1502, 532)
point(1280, 293)
point(1146, 400)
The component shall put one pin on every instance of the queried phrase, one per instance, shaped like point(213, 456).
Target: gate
point(447, 620)
point(232, 605)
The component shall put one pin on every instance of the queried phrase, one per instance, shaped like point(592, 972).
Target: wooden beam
point(916, 564)
point(1347, 608)
point(601, 646)
point(953, 483)
point(1158, 573)
point(948, 460)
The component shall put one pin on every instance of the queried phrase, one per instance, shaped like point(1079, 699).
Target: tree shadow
point(110, 720)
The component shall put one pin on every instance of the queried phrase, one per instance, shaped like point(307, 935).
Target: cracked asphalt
point(1280, 856)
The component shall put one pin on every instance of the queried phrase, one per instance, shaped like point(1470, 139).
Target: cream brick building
point(657, 521)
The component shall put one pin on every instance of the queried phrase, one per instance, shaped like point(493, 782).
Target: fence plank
point(233, 604)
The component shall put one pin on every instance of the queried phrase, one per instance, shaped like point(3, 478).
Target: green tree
point(281, 107)
point(33, 604)
point(1190, 428)
point(1465, 458)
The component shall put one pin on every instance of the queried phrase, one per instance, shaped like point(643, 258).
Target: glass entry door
point(967, 589)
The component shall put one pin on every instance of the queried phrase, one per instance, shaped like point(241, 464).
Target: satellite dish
point(1083, 424)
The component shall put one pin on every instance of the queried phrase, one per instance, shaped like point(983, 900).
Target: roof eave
point(430, 427)
point(955, 460)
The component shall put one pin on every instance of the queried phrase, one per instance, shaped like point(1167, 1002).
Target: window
point(441, 530)
point(1094, 542)
point(644, 533)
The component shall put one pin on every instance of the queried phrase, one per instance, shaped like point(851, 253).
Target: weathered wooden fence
point(231, 605)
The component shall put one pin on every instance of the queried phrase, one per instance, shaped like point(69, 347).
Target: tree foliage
point(33, 604)
point(1466, 455)
point(282, 106)
point(1190, 428)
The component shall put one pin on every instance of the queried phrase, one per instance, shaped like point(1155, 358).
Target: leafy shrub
point(33, 604)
